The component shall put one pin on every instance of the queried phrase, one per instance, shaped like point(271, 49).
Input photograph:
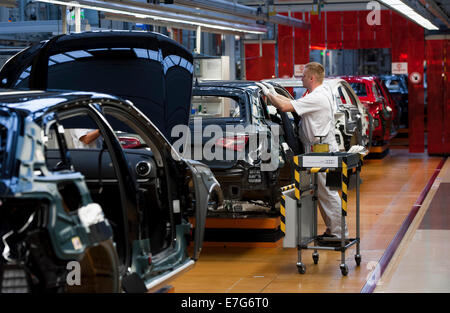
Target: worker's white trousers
point(330, 207)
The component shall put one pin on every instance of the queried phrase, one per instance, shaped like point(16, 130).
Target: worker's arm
point(90, 137)
point(282, 103)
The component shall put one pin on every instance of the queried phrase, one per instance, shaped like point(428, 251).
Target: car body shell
point(398, 88)
point(382, 110)
point(234, 174)
point(26, 181)
point(158, 110)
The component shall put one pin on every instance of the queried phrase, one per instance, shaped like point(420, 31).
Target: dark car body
point(41, 209)
point(392, 104)
point(243, 177)
point(398, 88)
point(142, 67)
point(383, 111)
point(148, 190)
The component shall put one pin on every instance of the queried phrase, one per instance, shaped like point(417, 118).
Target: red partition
point(334, 30)
point(399, 38)
point(383, 31)
point(285, 50)
point(416, 58)
point(438, 101)
point(317, 31)
point(301, 43)
point(366, 32)
point(350, 29)
point(256, 67)
point(446, 90)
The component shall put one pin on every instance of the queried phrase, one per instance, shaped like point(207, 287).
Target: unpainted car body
point(43, 211)
point(151, 230)
point(243, 177)
point(398, 88)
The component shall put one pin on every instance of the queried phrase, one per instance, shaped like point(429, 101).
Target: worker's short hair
point(317, 70)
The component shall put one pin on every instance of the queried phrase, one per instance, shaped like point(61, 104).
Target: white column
point(77, 11)
point(198, 40)
point(230, 52)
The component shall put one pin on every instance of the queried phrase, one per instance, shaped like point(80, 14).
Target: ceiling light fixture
point(409, 12)
point(202, 22)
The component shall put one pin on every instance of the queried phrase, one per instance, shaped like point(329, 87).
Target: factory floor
point(404, 240)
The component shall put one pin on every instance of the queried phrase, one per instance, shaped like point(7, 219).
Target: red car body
point(380, 105)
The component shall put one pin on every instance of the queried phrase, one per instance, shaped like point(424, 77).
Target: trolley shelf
point(300, 201)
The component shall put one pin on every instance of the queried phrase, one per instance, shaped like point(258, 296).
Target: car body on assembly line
point(47, 216)
point(353, 122)
point(398, 88)
point(383, 111)
point(146, 191)
point(239, 112)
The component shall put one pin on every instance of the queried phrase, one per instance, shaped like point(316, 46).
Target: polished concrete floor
point(390, 187)
point(422, 261)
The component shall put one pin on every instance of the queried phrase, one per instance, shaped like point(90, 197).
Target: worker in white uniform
point(317, 114)
point(84, 138)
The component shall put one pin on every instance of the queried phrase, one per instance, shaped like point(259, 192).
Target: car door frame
point(118, 159)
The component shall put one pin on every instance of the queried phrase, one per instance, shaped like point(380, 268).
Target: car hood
point(149, 69)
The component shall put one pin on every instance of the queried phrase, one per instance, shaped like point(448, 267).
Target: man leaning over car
point(317, 121)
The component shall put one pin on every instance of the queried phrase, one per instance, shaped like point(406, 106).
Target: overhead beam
point(243, 11)
point(185, 10)
point(436, 11)
point(119, 8)
point(133, 19)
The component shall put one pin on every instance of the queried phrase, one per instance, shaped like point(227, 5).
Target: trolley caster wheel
point(344, 269)
point(315, 257)
point(358, 259)
point(301, 268)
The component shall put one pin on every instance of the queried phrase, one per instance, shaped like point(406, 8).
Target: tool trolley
point(299, 204)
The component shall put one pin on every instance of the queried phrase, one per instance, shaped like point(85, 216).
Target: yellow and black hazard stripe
point(319, 170)
point(283, 214)
point(297, 178)
point(344, 186)
point(288, 187)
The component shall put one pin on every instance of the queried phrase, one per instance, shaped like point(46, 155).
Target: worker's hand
point(264, 89)
point(270, 87)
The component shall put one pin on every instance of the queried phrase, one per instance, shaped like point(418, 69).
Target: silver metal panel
point(293, 219)
point(290, 237)
point(306, 217)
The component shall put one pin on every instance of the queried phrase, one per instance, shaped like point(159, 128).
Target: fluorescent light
point(409, 12)
point(232, 27)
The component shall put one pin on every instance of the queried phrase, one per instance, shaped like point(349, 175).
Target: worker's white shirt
point(317, 112)
point(77, 133)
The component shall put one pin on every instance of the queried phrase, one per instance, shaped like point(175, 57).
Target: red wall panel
point(334, 30)
point(446, 90)
point(438, 99)
point(434, 52)
point(416, 57)
point(350, 29)
point(285, 50)
point(256, 67)
point(383, 31)
point(317, 32)
point(366, 32)
point(399, 38)
point(301, 43)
